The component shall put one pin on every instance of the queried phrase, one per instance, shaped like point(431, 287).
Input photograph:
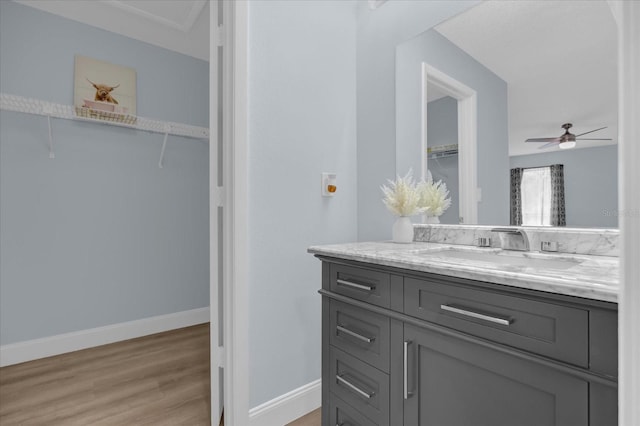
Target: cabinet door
point(453, 382)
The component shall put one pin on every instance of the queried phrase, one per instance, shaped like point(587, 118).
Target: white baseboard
point(288, 407)
point(29, 350)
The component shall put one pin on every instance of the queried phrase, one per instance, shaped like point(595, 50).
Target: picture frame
point(104, 90)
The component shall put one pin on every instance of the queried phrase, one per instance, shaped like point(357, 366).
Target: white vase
point(402, 230)
point(433, 219)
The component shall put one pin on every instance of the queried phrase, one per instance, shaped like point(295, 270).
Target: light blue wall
point(492, 149)
point(442, 116)
point(100, 235)
point(379, 32)
point(590, 183)
point(302, 108)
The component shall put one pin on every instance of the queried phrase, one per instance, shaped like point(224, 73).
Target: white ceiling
point(178, 25)
point(559, 61)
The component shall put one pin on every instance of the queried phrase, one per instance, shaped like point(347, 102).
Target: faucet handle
point(484, 242)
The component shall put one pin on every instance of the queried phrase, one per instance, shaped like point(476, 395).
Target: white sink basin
point(513, 258)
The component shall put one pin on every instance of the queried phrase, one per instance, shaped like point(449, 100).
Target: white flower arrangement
point(434, 196)
point(401, 196)
point(405, 197)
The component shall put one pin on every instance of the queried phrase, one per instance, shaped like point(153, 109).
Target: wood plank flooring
point(162, 379)
point(311, 419)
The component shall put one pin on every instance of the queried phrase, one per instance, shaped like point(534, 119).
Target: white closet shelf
point(443, 154)
point(49, 109)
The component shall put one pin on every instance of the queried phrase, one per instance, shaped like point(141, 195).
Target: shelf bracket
point(47, 111)
point(167, 129)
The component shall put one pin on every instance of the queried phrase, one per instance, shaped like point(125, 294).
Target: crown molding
point(183, 25)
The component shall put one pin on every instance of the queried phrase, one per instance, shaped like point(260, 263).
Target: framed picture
point(103, 90)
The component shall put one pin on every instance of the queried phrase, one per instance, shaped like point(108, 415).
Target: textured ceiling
point(178, 25)
point(558, 59)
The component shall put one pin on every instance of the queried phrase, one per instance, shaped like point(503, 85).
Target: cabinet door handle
point(467, 312)
point(405, 375)
point(355, 285)
point(354, 334)
point(354, 387)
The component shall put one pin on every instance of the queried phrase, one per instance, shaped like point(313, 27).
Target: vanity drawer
point(342, 413)
point(545, 328)
point(361, 333)
point(362, 284)
point(359, 385)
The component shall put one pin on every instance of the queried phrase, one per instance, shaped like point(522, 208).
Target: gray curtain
point(558, 214)
point(515, 208)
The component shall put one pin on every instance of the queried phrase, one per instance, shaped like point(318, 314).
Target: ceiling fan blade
point(591, 131)
point(543, 140)
point(588, 139)
point(547, 145)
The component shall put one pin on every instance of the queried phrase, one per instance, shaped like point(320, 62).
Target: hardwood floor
point(162, 379)
point(311, 419)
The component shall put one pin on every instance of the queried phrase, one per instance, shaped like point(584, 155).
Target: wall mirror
point(533, 67)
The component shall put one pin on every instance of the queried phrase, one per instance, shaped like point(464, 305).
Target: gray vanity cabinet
point(455, 382)
point(417, 349)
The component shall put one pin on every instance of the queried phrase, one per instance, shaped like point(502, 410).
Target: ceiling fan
point(566, 140)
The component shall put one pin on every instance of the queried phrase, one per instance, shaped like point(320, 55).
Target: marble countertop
point(591, 277)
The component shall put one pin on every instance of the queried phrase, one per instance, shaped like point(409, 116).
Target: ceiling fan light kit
point(567, 140)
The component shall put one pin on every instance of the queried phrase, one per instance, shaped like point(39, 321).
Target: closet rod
point(49, 109)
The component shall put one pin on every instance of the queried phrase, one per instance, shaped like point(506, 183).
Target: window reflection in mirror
point(537, 196)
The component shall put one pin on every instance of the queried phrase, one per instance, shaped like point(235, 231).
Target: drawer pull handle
point(463, 311)
point(405, 381)
point(354, 334)
point(354, 387)
point(356, 285)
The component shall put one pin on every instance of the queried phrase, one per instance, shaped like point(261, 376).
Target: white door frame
point(228, 213)
point(627, 16)
point(467, 137)
point(236, 300)
point(237, 282)
point(216, 356)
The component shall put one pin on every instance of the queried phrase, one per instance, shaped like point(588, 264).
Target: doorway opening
point(434, 79)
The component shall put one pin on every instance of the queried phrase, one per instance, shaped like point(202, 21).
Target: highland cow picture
point(103, 90)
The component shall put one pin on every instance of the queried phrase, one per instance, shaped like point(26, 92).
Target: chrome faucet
point(512, 239)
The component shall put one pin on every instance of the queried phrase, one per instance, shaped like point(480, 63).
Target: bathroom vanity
point(442, 334)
